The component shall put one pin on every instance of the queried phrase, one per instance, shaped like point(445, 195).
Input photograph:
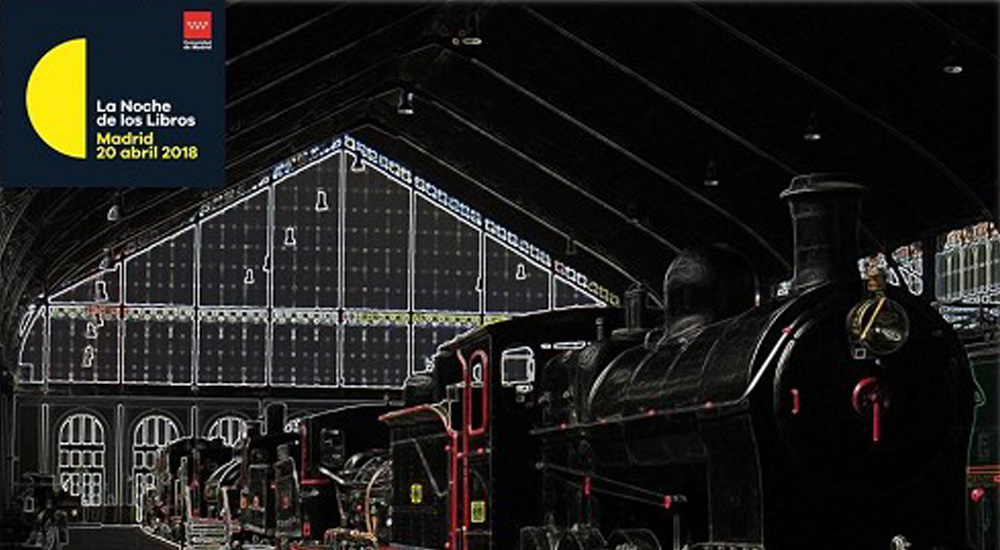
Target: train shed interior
point(399, 174)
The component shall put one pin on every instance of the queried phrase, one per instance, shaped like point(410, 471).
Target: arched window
point(230, 428)
point(151, 434)
point(81, 458)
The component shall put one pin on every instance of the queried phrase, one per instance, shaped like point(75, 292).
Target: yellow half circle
point(56, 98)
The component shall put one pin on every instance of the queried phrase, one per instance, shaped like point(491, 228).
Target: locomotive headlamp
point(879, 324)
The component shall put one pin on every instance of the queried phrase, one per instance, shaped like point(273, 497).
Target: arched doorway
point(81, 458)
point(151, 434)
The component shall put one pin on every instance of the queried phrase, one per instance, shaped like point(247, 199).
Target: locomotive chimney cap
point(821, 183)
point(825, 209)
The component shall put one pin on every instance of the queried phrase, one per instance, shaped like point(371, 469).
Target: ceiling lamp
point(812, 132)
point(570, 246)
point(115, 210)
point(951, 65)
point(952, 62)
point(711, 178)
point(469, 36)
point(107, 259)
point(405, 106)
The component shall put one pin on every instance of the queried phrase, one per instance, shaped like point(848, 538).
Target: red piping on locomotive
point(307, 481)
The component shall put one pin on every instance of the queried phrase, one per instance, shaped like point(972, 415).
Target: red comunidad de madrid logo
point(197, 30)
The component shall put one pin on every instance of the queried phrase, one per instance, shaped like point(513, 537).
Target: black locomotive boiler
point(834, 416)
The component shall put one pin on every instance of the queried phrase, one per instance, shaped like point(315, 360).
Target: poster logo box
point(92, 102)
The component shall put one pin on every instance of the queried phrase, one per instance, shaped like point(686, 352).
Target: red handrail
point(469, 431)
point(484, 391)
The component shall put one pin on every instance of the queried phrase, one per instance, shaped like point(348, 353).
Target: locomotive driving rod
point(586, 482)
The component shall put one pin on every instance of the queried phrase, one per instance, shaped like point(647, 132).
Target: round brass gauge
point(879, 324)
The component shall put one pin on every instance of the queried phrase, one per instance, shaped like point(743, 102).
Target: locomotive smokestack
point(274, 418)
point(825, 210)
point(636, 315)
point(635, 307)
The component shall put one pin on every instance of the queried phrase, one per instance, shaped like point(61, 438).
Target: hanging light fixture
point(711, 178)
point(570, 246)
point(107, 259)
point(115, 210)
point(952, 61)
point(812, 132)
point(405, 105)
point(470, 36)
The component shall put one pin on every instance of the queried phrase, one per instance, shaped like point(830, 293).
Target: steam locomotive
point(834, 416)
point(176, 500)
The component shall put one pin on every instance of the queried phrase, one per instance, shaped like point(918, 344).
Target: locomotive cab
point(260, 513)
point(323, 480)
point(464, 457)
